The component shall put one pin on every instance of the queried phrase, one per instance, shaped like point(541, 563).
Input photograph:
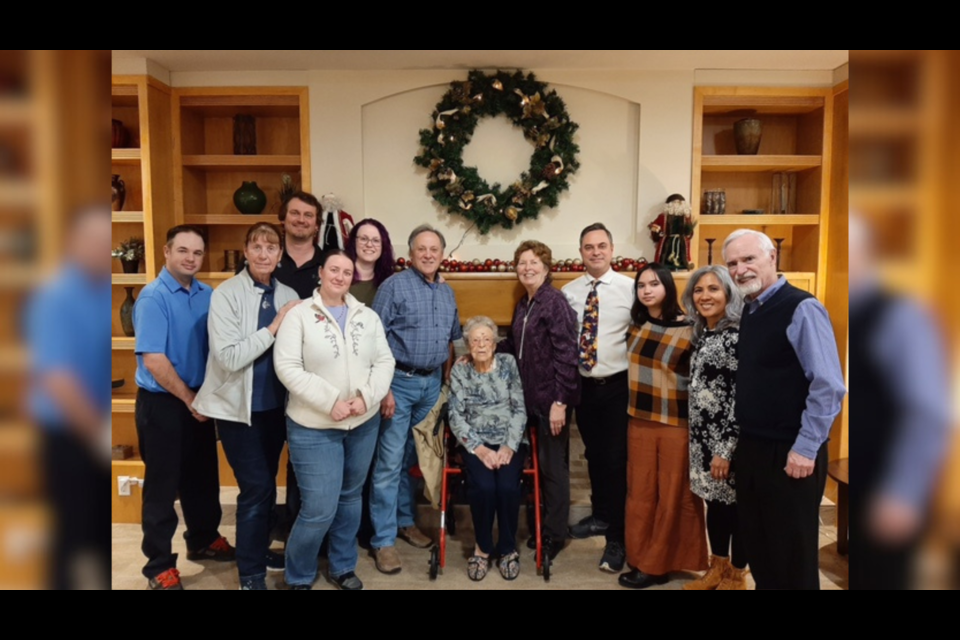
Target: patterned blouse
point(713, 427)
point(659, 371)
point(487, 408)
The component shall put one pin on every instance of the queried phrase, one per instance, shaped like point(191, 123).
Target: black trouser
point(874, 564)
point(495, 494)
point(253, 452)
point(553, 454)
point(78, 487)
point(180, 455)
point(723, 534)
point(602, 419)
point(779, 515)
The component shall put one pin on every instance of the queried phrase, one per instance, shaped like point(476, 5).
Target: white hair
point(479, 321)
point(766, 244)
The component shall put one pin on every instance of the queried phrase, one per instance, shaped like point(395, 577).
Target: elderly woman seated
point(487, 416)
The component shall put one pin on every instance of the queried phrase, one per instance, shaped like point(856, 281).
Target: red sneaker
point(168, 580)
point(218, 550)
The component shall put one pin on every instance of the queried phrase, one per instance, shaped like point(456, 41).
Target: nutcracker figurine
point(335, 223)
point(671, 232)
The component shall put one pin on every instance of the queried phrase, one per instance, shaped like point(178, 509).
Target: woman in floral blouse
point(716, 304)
point(487, 416)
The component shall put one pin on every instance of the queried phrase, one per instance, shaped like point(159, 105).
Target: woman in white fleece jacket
point(332, 355)
point(242, 393)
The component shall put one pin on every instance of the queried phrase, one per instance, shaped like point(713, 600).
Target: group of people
point(728, 398)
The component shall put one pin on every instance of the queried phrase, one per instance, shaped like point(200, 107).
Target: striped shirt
point(659, 371)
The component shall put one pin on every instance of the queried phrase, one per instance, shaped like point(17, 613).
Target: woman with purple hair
point(372, 254)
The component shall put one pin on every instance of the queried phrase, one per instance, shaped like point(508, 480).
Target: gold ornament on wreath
point(545, 123)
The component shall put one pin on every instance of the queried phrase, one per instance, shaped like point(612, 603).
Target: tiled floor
point(575, 568)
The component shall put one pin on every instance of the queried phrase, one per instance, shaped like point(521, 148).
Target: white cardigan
point(321, 365)
point(235, 343)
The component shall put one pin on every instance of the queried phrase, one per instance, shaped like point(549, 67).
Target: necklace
point(339, 314)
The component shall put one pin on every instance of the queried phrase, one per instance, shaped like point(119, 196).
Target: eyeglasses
point(479, 342)
point(373, 242)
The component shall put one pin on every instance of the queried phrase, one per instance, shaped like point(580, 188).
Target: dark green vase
point(126, 313)
point(250, 199)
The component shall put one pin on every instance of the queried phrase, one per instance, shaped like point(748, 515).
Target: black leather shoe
point(550, 546)
point(637, 579)
point(588, 527)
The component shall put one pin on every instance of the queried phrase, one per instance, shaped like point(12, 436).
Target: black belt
point(602, 381)
point(426, 373)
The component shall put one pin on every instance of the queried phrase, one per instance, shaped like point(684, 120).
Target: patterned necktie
point(588, 332)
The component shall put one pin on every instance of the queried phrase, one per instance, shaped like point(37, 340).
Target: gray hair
point(766, 244)
point(731, 315)
point(425, 228)
point(479, 321)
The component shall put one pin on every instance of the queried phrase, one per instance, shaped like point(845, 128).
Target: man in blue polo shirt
point(419, 315)
point(68, 330)
point(179, 446)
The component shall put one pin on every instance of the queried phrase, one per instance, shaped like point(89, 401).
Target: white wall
point(364, 134)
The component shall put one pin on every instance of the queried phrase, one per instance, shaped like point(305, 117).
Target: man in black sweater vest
point(789, 390)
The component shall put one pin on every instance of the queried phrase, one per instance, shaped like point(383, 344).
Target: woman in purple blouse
point(543, 338)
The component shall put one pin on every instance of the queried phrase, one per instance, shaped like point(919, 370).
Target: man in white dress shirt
point(602, 300)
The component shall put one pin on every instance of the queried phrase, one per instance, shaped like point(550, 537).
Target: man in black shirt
point(299, 269)
point(299, 265)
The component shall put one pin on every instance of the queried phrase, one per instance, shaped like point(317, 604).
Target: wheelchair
point(453, 484)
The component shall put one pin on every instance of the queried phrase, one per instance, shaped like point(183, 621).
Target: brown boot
point(734, 580)
point(712, 578)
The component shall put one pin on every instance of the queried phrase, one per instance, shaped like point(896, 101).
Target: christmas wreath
point(530, 105)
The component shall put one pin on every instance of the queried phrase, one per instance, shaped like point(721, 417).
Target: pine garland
point(530, 105)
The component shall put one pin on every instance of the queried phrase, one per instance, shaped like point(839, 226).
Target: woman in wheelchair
point(487, 416)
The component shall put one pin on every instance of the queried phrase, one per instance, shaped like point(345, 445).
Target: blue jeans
point(254, 453)
point(331, 466)
point(392, 503)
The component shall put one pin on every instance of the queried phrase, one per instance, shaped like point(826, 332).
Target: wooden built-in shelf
point(245, 163)
point(15, 111)
point(18, 276)
point(123, 344)
point(214, 275)
point(885, 197)
point(134, 464)
point(769, 163)
point(127, 216)
point(125, 156)
point(128, 279)
point(884, 122)
point(17, 192)
point(13, 358)
point(721, 105)
point(742, 220)
point(123, 405)
point(227, 219)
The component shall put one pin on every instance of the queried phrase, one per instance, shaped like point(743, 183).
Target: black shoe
point(553, 547)
point(301, 587)
point(613, 558)
point(253, 584)
point(588, 527)
point(275, 561)
point(219, 551)
point(349, 582)
point(636, 579)
point(550, 546)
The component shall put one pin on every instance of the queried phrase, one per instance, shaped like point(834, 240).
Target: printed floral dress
point(713, 426)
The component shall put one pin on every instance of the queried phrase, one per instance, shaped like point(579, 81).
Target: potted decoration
point(130, 252)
